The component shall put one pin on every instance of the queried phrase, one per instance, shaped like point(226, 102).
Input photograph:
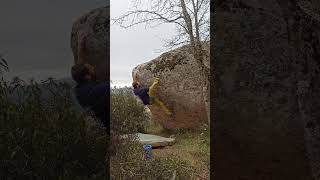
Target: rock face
point(94, 26)
point(179, 87)
point(266, 59)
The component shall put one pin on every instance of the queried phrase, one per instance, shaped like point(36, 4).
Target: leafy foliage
point(42, 137)
point(128, 115)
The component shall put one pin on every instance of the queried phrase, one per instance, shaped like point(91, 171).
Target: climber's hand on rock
point(157, 79)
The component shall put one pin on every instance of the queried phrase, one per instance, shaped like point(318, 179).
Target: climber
point(90, 94)
point(146, 94)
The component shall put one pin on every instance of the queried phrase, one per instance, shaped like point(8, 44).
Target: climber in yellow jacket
point(146, 94)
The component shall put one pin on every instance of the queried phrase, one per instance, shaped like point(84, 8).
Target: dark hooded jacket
point(143, 94)
point(93, 96)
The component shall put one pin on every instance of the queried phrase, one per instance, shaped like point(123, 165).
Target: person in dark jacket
point(89, 93)
point(146, 94)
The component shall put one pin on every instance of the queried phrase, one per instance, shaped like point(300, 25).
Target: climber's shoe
point(169, 113)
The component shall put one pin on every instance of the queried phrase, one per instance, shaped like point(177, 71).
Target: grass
point(192, 146)
point(129, 163)
point(154, 128)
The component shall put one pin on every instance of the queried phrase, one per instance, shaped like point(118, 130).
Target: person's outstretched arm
point(153, 87)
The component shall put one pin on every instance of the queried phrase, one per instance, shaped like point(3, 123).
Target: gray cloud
point(35, 38)
point(35, 35)
point(130, 47)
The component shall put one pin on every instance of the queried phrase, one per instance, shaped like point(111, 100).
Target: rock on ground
point(94, 26)
point(179, 87)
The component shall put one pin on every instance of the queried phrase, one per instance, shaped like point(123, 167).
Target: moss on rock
point(166, 61)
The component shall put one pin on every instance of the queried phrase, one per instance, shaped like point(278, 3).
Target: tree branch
point(205, 12)
point(189, 16)
point(145, 20)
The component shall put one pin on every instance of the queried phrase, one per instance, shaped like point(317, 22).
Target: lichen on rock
point(179, 88)
point(167, 61)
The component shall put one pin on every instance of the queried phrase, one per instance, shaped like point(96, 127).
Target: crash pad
point(154, 140)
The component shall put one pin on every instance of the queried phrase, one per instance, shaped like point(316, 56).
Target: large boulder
point(179, 87)
point(266, 59)
point(93, 28)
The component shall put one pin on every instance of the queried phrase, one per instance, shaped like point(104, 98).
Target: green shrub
point(128, 115)
point(42, 137)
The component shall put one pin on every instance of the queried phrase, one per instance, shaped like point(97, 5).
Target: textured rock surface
point(94, 26)
point(179, 87)
point(267, 91)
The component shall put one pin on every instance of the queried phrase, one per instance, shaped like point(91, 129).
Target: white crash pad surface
point(154, 140)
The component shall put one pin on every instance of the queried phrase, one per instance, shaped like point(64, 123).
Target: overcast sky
point(35, 35)
point(35, 38)
point(130, 47)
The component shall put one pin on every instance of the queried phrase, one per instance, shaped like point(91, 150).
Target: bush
point(128, 115)
point(42, 137)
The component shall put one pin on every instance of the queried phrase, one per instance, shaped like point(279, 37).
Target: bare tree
point(191, 20)
point(190, 17)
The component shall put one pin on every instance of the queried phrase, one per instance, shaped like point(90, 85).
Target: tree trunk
point(188, 21)
point(198, 55)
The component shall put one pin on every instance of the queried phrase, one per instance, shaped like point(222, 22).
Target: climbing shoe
point(169, 113)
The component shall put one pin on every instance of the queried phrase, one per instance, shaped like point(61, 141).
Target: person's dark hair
point(78, 72)
point(135, 85)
